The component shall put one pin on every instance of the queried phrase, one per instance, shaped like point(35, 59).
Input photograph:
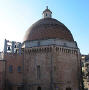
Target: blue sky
point(16, 16)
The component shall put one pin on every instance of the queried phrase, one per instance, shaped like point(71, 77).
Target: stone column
point(5, 46)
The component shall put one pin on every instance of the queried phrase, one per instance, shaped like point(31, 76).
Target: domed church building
point(48, 58)
point(51, 56)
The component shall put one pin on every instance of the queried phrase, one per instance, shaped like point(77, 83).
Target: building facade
point(48, 58)
point(85, 71)
point(2, 72)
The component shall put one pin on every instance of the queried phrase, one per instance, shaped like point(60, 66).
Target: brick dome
point(48, 28)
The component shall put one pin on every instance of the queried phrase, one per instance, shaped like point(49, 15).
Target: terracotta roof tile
point(48, 28)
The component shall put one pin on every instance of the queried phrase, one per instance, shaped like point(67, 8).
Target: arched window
point(39, 88)
point(10, 68)
point(20, 88)
point(9, 48)
point(19, 69)
point(38, 72)
point(68, 88)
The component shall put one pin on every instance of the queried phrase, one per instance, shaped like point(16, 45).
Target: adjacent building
point(2, 72)
point(85, 71)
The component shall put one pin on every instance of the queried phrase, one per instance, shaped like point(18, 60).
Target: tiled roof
point(48, 28)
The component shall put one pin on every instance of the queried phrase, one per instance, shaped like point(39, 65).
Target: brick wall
point(59, 68)
point(2, 74)
point(14, 77)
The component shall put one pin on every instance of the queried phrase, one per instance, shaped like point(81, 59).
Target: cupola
point(47, 13)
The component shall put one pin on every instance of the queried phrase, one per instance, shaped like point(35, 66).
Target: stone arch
point(39, 88)
point(68, 88)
